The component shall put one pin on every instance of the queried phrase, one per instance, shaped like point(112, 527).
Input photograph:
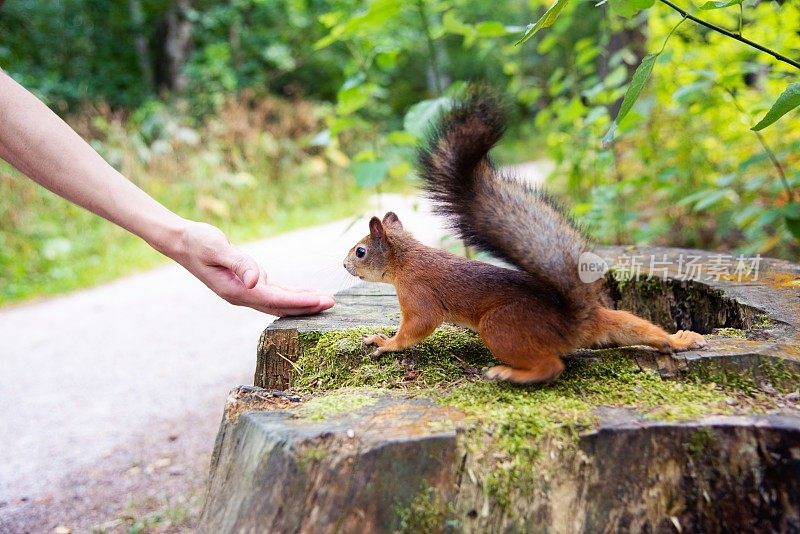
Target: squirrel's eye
point(360, 252)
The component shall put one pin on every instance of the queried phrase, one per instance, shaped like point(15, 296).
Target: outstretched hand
point(236, 277)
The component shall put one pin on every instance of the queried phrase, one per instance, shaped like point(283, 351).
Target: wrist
point(169, 237)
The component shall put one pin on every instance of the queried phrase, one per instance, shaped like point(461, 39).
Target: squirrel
point(528, 317)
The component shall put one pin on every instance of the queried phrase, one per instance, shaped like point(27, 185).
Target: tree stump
point(628, 439)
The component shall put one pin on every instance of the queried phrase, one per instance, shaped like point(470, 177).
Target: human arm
point(38, 143)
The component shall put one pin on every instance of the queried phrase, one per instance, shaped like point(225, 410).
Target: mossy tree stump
point(628, 439)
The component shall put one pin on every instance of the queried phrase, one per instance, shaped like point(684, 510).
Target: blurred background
point(265, 116)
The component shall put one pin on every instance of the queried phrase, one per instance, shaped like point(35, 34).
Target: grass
point(253, 171)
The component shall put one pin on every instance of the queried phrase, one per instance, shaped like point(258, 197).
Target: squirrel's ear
point(375, 228)
point(391, 219)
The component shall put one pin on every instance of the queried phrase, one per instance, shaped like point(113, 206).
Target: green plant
point(708, 82)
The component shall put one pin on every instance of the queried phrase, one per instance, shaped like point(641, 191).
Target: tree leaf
point(638, 81)
point(545, 21)
point(791, 216)
point(351, 99)
point(370, 173)
point(490, 29)
point(401, 138)
point(788, 100)
point(794, 227)
point(717, 4)
point(453, 25)
point(422, 113)
point(629, 8)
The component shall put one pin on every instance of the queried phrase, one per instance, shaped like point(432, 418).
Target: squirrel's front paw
point(375, 339)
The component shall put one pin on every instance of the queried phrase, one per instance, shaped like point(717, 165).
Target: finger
point(273, 297)
point(302, 290)
point(280, 298)
point(285, 312)
point(243, 266)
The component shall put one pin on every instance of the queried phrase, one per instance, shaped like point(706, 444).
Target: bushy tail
point(499, 214)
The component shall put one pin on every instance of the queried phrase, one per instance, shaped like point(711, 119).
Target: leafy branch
point(732, 35)
point(787, 101)
point(767, 149)
point(638, 82)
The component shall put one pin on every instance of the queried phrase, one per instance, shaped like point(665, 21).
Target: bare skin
point(42, 146)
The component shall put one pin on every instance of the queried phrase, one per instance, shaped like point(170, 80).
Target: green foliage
point(717, 4)
point(629, 8)
point(788, 100)
point(684, 148)
point(547, 20)
point(640, 77)
point(72, 51)
point(420, 116)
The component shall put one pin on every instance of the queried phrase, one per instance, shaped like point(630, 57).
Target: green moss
point(308, 338)
point(645, 285)
point(762, 320)
point(322, 407)
point(779, 374)
point(512, 426)
point(310, 455)
point(729, 332)
point(734, 380)
point(775, 372)
point(427, 512)
point(339, 359)
point(701, 440)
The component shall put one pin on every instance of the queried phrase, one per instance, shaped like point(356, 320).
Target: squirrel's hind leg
point(622, 328)
point(530, 355)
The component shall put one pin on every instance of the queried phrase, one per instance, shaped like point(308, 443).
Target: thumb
point(243, 266)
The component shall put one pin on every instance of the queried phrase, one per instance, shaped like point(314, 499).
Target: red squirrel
point(528, 317)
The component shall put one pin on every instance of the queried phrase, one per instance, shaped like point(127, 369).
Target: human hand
point(236, 277)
